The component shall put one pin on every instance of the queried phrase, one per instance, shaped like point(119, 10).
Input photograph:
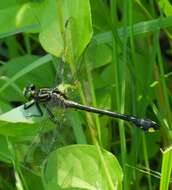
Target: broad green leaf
point(19, 17)
point(21, 130)
point(98, 55)
point(104, 78)
point(80, 166)
point(166, 7)
point(17, 115)
point(4, 106)
point(140, 28)
point(19, 122)
point(66, 28)
point(15, 74)
point(16, 122)
point(166, 169)
point(99, 22)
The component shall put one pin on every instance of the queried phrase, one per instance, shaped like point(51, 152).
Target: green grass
point(108, 54)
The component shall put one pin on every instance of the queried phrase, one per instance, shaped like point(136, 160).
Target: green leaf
point(138, 29)
point(80, 166)
point(166, 7)
point(18, 74)
point(4, 106)
point(16, 16)
point(15, 123)
point(103, 78)
point(98, 55)
point(66, 28)
point(166, 168)
point(19, 123)
point(15, 116)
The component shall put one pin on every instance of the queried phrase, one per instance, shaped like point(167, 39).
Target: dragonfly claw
point(146, 124)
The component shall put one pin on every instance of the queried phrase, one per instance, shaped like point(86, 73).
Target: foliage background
point(114, 55)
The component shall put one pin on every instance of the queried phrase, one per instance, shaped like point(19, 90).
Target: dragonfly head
point(30, 92)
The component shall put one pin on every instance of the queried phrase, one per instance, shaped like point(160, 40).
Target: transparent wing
point(53, 130)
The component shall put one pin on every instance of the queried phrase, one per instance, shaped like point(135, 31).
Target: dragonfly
point(36, 96)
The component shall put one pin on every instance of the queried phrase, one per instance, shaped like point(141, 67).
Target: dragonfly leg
point(39, 110)
point(29, 104)
point(52, 116)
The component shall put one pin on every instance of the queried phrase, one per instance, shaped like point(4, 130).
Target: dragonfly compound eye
point(29, 92)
